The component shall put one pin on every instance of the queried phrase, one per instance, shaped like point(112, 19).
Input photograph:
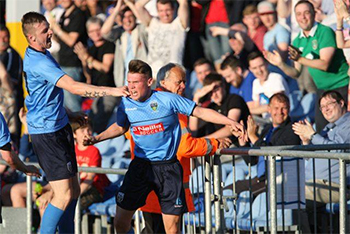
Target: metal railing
point(29, 203)
point(272, 153)
point(212, 164)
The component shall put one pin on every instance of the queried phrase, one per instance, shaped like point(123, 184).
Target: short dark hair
point(139, 66)
point(5, 29)
point(333, 94)
point(202, 61)
point(31, 18)
point(280, 97)
point(163, 2)
point(232, 62)
point(211, 78)
point(311, 6)
point(255, 54)
point(122, 12)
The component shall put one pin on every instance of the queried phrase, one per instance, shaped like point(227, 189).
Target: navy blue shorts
point(164, 177)
point(56, 153)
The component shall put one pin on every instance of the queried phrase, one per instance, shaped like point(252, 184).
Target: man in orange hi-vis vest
point(172, 78)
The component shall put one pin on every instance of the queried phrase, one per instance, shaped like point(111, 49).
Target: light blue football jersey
point(46, 113)
point(154, 124)
point(5, 136)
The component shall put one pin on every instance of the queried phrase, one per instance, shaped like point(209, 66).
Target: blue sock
point(51, 217)
point(66, 224)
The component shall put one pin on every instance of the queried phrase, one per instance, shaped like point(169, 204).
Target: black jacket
point(283, 135)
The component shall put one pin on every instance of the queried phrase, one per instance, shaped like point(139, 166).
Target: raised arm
point(86, 90)
point(183, 13)
point(142, 13)
point(109, 22)
point(69, 38)
point(342, 13)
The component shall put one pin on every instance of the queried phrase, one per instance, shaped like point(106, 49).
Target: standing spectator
point(256, 30)
point(266, 84)
point(130, 39)
point(166, 35)
point(241, 44)
point(52, 10)
point(194, 49)
point(220, 13)
point(69, 31)
point(97, 64)
point(277, 38)
point(342, 13)
point(315, 47)
point(239, 78)
point(12, 84)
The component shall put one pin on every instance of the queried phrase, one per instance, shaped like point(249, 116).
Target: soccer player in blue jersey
point(47, 121)
point(153, 121)
point(11, 158)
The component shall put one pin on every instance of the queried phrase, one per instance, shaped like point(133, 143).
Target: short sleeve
point(122, 119)
point(95, 160)
point(328, 38)
point(283, 36)
point(5, 136)
point(182, 105)
point(255, 94)
point(49, 70)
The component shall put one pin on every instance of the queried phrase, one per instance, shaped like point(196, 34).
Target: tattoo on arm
point(95, 94)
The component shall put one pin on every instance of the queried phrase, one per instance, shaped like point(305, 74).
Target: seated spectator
point(230, 105)
point(202, 67)
point(97, 64)
point(166, 34)
point(265, 85)
point(256, 30)
point(239, 78)
point(337, 131)
point(278, 133)
point(129, 37)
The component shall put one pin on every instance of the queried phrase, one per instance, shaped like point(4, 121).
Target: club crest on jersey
point(314, 44)
point(154, 106)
